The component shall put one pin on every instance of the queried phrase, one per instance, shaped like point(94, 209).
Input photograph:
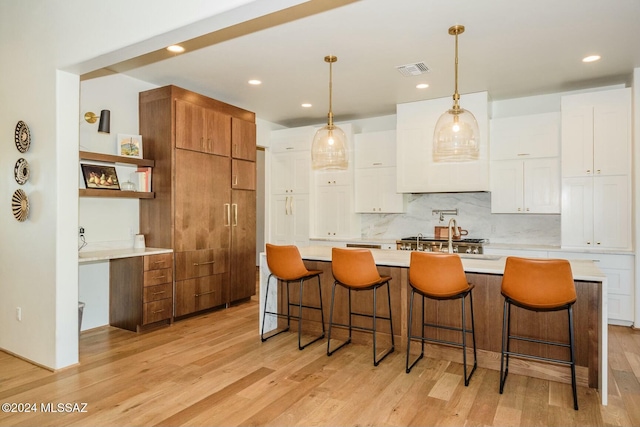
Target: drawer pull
point(196, 264)
point(159, 277)
point(204, 293)
point(157, 311)
point(158, 293)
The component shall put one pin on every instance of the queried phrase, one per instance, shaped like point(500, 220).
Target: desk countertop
point(107, 254)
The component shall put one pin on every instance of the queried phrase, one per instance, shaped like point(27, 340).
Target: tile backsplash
point(474, 215)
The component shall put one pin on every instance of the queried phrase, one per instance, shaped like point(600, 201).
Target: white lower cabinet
point(619, 269)
point(290, 220)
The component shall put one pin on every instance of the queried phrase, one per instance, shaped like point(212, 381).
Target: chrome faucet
point(452, 225)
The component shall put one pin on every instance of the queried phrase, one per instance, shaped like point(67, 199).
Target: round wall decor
point(23, 137)
point(20, 205)
point(21, 171)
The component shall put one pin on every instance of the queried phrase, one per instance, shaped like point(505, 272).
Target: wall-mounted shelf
point(109, 158)
point(99, 157)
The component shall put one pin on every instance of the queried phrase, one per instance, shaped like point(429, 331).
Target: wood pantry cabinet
point(204, 180)
point(141, 291)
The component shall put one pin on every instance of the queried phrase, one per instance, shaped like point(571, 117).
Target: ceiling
point(510, 48)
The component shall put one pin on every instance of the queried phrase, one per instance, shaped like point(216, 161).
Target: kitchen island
point(485, 272)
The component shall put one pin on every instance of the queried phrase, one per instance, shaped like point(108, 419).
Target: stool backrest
point(285, 262)
point(437, 274)
point(539, 283)
point(354, 267)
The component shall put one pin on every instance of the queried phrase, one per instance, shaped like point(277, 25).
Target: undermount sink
point(480, 256)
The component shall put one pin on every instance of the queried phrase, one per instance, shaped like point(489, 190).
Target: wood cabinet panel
point(201, 293)
point(217, 132)
point(202, 208)
point(157, 292)
point(157, 310)
point(243, 245)
point(125, 292)
point(243, 139)
point(157, 277)
point(155, 262)
point(243, 175)
point(201, 263)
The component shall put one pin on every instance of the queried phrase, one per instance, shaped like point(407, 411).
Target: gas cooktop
point(433, 239)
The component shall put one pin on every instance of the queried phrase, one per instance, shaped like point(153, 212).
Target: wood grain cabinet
point(141, 291)
point(205, 204)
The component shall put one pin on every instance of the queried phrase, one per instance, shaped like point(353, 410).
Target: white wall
point(38, 258)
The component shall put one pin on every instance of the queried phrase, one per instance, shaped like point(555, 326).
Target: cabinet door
point(217, 134)
point(507, 186)
point(542, 185)
point(333, 211)
point(525, 137)
point(366, 186)
point(243, 175)
point(281, 224)
point(375, 149)
point(202, 201)
point(243, 244)
point(390, 200)
point(612, 133)
point(190, 123)
point(198, 294)
point(299, 209)
point(243, 139)
point(577, 139)
point(612, 213)
point(577, 212)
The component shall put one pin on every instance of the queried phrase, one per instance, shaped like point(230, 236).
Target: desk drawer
point(158, 292)
point(157, 310)
point(156, 262)
point(158, 277)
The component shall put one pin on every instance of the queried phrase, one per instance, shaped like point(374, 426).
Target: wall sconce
point(104, 125)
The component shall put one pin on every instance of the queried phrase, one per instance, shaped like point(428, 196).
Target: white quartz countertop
point(585, 270)
point(107, 254)
point(553, 248)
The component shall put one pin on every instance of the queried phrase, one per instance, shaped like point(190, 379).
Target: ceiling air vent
point(413, 69)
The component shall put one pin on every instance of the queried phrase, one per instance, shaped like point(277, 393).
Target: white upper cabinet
point(525, 137)
point(596, 133)
point(525, 167)
point(416, 170)
point(375, 174)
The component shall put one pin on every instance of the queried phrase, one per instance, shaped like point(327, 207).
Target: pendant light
point(329, 147)
point(456, 137)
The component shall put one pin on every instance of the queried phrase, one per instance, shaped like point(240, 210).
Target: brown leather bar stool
point(286, 265)
point(440, 276)
point(537, 285)
point(355, 270)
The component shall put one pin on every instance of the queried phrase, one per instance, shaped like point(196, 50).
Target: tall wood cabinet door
point(189, 126)
point(202, 196)
point(217, 133)
point(243, 175)
point(243, 139)
point(243, 245)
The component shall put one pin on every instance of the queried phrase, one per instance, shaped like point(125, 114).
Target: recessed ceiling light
point(255, 82)
point(306, 105)
point(175, 48)
point(591, 58)
point(422, 86)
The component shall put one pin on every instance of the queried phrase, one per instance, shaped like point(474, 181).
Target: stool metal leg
point(464, 340)
point(505, 344)
point(376, 362)
point(333, 295)
point(573, 359)
point(409, 367)
point(264, 317)
point(300, 306)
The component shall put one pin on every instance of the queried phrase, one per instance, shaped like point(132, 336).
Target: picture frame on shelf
point(129, 145)
point(100, 177)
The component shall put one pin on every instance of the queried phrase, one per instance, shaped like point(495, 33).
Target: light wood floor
point(214, 370)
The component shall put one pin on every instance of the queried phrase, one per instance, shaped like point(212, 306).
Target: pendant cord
point(456, 95)
point(330, 123)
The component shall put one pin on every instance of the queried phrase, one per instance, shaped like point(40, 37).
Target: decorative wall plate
point(20, 205)
point(23, 137)
point(21, 171)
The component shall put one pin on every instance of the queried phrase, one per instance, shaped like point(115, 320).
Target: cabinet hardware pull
point(157, 311)
point(228, 216)
point(291, 205)
point(289, 148)
point(235, 214)
point(598, 171)
point(377, 163)
point(235, 180)
point(157, 293)
point(196, 264)
point(588, 170)
point(523, 154)
point(204, 293)
point(159, 277)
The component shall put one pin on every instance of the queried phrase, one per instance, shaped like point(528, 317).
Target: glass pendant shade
point(329, 149)
point(456, 137)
